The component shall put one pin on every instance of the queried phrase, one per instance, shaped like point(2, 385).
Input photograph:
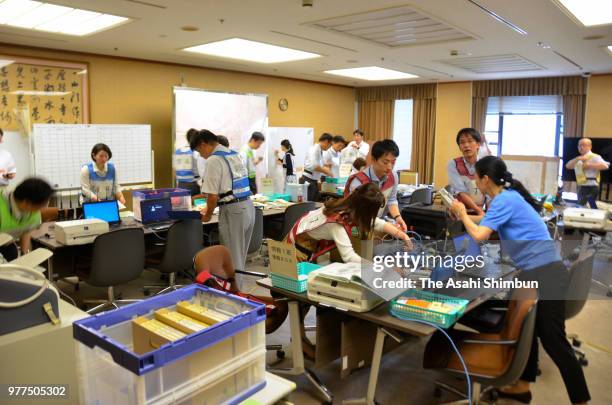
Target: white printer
point(585, 218)
point(80, 231)
point(339, 285)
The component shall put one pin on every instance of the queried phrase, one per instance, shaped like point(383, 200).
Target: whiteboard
point(19, 147)
point(301, 139)
point(60, 151)
point(233, 115)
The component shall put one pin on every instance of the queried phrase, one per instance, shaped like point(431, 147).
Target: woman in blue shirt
point(513, 214)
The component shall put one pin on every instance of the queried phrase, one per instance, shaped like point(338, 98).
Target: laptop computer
point(155, 213)
point(105, 210)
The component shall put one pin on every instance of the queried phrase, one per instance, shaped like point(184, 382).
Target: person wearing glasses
point(462, 170)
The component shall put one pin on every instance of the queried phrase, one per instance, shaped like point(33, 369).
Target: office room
point(305, 202)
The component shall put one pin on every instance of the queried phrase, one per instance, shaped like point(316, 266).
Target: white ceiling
point(155, 34)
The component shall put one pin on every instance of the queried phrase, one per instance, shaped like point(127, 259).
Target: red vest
point(313, 248)
point(363, 179)
point(462, 168)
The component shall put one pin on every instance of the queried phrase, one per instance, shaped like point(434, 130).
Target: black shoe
point(523, 397)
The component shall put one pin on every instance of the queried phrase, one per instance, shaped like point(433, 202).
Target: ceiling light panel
point(493, 64)
point(244, 49)
point(393, 27)
point(588, 12)
point(48, 17)
point(371, 73)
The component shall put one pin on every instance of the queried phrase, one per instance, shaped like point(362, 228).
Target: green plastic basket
point(301, 284)
point(443, 319)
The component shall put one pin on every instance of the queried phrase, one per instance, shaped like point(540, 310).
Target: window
point(531, 125)
point(402, 133)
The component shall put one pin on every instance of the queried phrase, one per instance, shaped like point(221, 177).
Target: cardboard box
point(283, 259)
point(408, 177)
point(150, 334)
point(180, 321)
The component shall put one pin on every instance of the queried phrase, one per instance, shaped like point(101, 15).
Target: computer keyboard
point(160, 226)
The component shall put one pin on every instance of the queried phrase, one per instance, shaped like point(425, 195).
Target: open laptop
point(155, 213)
point(105, 210)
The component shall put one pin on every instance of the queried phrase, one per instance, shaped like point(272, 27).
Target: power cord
point(465, 370)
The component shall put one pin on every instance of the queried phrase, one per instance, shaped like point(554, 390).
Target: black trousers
point(253, 185)
point(588, 194)
point(550, 330)
point(313, 188)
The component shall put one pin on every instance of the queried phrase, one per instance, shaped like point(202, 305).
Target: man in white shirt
point(355, 149)
point(587, 167)
point(314, 166)
point(247, 154)
point(331, 157)
point(226, 186)
point(8, 169)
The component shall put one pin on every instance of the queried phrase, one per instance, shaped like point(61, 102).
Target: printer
point(336, 287)
point(586, 218)
point(80, 231)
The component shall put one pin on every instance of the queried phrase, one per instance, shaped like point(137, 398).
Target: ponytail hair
point(496, 170)
point(287, 144)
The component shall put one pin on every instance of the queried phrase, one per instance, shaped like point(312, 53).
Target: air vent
point(393, 27)
point(493, 64)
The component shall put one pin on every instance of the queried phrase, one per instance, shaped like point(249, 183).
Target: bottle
point(300, 196)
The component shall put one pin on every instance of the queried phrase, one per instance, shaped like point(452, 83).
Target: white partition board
point(61, 150)
point(538, 174)
point(301, 139)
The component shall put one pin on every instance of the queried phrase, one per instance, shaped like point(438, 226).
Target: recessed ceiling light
point(48, 17)
point(5, 62)
point(371, 73)
point(40, 93)
point(243, 49)
point(588, 12)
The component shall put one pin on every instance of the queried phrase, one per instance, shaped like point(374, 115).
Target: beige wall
point(598, 116)
point(139, 92)
point(453, 112)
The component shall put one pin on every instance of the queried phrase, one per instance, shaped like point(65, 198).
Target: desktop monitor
point(155, 210)
point(105, 210)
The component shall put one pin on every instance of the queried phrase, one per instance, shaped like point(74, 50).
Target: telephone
point(447, 198)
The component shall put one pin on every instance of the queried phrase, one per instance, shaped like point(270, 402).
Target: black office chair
point(184, 240)
point(117, 258)
point(293, 213)
point(580, 275)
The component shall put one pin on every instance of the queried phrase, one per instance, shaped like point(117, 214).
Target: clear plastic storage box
point(179, 197)
point(222, 364)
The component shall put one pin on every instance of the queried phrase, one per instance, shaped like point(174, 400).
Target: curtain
point(479, 113)
point(409, 91)
point(376, 120)
point(540, 86)
point(573, 116)
point(423, 138)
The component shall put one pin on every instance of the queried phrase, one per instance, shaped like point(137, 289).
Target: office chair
point(580, 274)
point(117, 258)
point(217, 260)
point(184, 240)
point(295, 212)
point(492, 359)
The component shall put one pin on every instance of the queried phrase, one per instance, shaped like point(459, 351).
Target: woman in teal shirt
point(513, 214)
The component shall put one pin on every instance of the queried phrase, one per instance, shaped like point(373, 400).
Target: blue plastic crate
point(298, 285)
point(443, 319)
point(87, 331)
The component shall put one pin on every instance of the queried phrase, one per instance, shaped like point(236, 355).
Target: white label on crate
point(344, 362)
